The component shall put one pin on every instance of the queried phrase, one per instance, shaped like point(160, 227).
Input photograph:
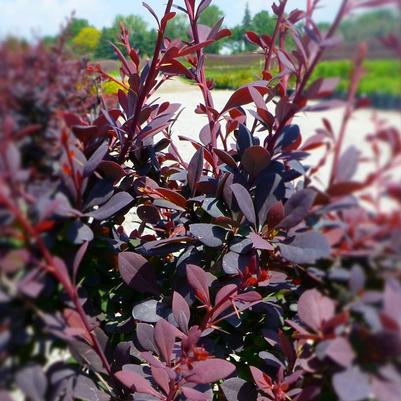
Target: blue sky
point(42, 17)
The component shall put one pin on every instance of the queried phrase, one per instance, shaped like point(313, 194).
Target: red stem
point(207, 96)
point(153, 71)
point(269, 54)
point(74, 176)
point(210, 311)
point(299, 92)
point(274, 37)
point(355, 78)
point(65, 282)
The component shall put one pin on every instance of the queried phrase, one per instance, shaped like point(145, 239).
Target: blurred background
point(92, 24)
point(46, 47)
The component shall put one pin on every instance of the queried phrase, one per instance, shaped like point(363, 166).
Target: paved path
point(189, 124)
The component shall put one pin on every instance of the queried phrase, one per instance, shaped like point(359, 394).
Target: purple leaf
point(224, 299)
point(150, 359)
point(271, 360)
point(234, 262)
point(111, 171)
point(14, 260)
point(392, 300)
point(5, 396)
point(314, 309)
point(237, 389)
point(114, 205)
point(322, 87)
point(276, 214)
point(242, 96)
point(291, 136)
point(137, 272)
point(204, 4)
point(297, 208)
point(150, 9)
point(99, 194)
point(32, 284)
point(269, 190)
point(145, 335)
point(32, 382)
point(95, 159)
point(357, 279)
point(209, 371)
point(78, 259)
point(148, 214)
point(260, 243)
point(306, 248)
point(385, 390)
point(181, 311)
point(340, 351)
point(226, 158)
point(258, 377)
point(169, 245)
point(62, 270)
point(165, 334)
point(255, 159)
point(211, 235)
point(79, 233)
point(195, 169)
point(244, 139)
point(199, 281)
point(285, 60)
point(135, 382)
point(244, 201)
point(347, 165)
point(149, 311)
point(249, 297)
point(85, 389)
point(194, 395)
point(352, 385)
point(85, 354)
point(161, 377)
point(205, 135)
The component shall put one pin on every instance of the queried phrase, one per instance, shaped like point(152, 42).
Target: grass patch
point(382, 76)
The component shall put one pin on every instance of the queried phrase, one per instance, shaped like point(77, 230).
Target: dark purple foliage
point(240, 276)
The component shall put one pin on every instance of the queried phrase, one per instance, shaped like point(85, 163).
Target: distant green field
point(382, 76)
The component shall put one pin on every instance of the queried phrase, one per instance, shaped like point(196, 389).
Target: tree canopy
point(210, 17)
point(86, 39)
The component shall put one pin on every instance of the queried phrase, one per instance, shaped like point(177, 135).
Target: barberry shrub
point(245, 278)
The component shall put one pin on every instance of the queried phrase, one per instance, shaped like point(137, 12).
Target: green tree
point(247, 19)
point(134, 23)
point(210, 17)
point(75, 26)
point(49, 40)
point(104, 49)
point(87, 40)
point(177, 28)
point(148, 43)
point(140, 37)
point(262, 23)
point(238, 42)
point(371, 25)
